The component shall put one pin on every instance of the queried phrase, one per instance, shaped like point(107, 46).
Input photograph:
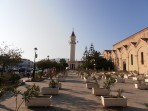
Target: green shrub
point(40, 74)
point(27, 95)
point(14, 78)
point(53, 83)
point(109, 82)
point(1, 92)
point(3, 80)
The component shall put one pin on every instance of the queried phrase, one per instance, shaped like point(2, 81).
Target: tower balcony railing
point(73, 42)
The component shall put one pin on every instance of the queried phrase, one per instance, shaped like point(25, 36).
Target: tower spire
point(73, 34)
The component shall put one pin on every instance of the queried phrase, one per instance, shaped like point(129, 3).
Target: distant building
point(25, 63)
point(58, 60)
point(130, 54)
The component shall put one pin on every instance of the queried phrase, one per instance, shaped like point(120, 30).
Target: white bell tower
point(72, 50)
point(72, 46)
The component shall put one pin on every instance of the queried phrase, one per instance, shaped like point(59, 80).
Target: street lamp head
point(35, 48)
point(48, 57)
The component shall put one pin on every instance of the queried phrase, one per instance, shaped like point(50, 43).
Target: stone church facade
point(130, 54)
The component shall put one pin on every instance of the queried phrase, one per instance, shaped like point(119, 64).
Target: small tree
point(44, 64)
point(9, 57)
point(63, 63)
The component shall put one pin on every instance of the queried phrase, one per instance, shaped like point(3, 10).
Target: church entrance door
point(124, 65)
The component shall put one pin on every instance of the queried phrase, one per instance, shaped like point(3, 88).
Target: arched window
point(131, 59)
point(142, 58)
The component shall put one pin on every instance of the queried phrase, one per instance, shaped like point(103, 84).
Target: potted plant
point(146, 75)
point(135, 75)
point(61, 78)
point(141, 84)
point(55, 84)
point(86, 76)
point(135, 78)
point(120, 79)
point(107, 75)
point(109, 83)
point(31, 97)
point(52, 89)
point(90, 84)
point(81, 74)
point(36, 99)
point(106, 88)
point(126, 75)
point(118, 100)
point(146, 79)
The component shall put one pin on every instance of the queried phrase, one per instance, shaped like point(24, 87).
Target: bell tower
point(72, 50)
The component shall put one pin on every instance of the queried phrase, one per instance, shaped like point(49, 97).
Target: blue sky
point(48, 24)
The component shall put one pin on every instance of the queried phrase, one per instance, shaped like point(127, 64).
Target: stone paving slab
point(74, 96)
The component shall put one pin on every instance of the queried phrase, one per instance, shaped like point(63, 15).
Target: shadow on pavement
point(129, 108)
point(52, 108)
point(74, 81)
point(2, 107)
point(6, 96)
point(78, 103)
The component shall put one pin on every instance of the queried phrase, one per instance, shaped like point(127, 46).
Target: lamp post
point(94, 64)
point(35, 56)
point(94, 67)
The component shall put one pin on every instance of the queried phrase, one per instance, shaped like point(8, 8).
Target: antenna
point(73, 29)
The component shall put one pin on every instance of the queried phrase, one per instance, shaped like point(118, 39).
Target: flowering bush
point(53, 83)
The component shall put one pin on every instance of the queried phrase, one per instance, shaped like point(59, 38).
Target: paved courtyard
point(74, 96)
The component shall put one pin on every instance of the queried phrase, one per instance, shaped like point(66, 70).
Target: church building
point(130, 54)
